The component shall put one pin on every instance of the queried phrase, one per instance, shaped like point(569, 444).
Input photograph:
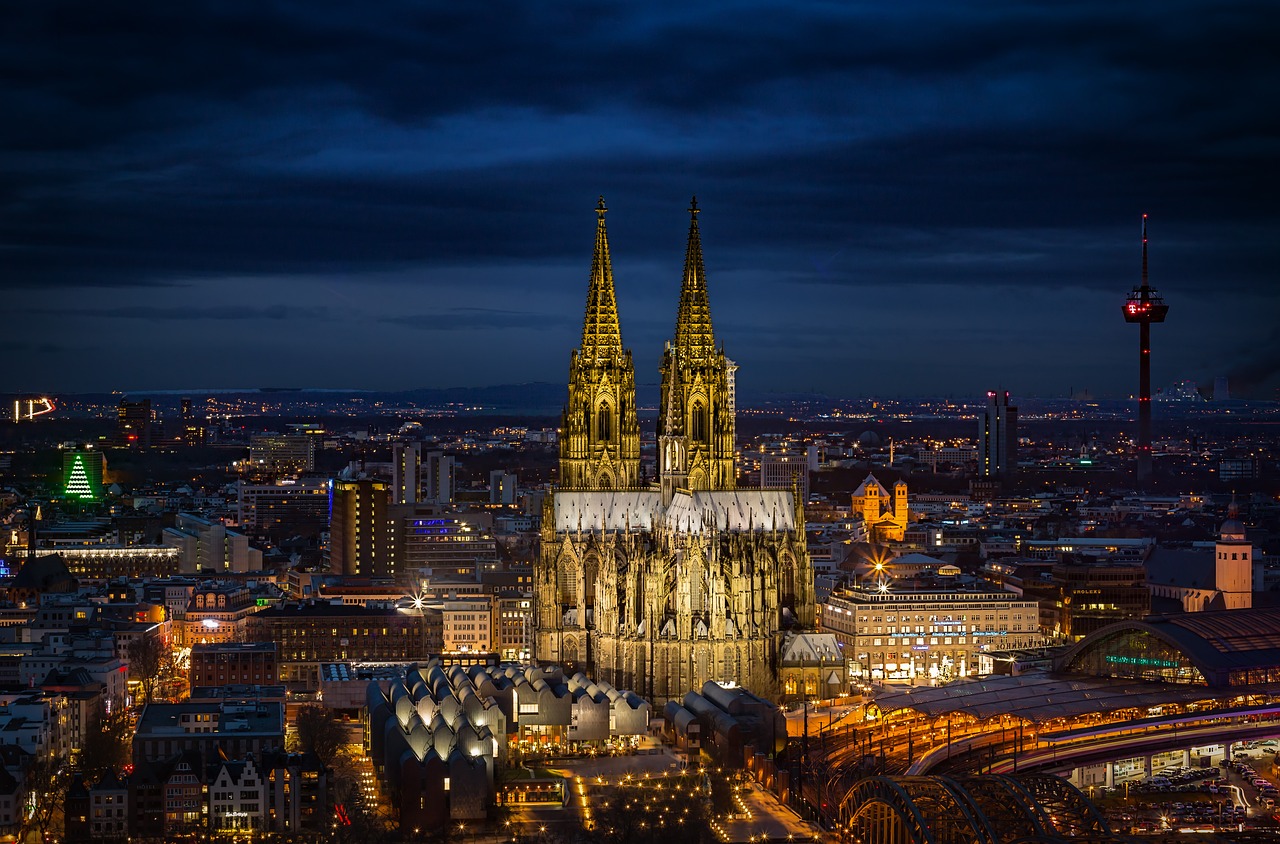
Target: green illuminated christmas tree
point(78, 481)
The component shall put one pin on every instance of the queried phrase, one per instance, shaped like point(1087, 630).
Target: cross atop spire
point(694, 336)
point(601, 334)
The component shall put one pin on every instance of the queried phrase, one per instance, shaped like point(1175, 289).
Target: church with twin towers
point(659, 585)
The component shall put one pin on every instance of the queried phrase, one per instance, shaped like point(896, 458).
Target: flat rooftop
point(239, 717)
point(232, 647)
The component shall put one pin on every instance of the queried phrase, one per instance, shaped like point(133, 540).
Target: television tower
point(1144, 306)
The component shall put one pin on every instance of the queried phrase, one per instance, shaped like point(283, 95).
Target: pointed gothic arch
point(698, 421)
point(604, 422)
point(590, 570)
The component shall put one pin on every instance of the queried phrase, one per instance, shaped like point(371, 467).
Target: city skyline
point(906, 201)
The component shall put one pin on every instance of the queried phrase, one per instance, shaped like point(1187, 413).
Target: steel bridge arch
point(1008, 807)
point(912, 810)
point(1032, 809)
point(1073, 814)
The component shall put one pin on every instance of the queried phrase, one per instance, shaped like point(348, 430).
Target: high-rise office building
point(135, 423)
point(284, 506)
point(440, 478)
point(193, 432)
point(361, 531)
point(502, 487)
point(460, 545)
point(784, 470)
point(406, 472)
point(281, 454)
point(998, 437)
point(209, 545)
point(82, 476)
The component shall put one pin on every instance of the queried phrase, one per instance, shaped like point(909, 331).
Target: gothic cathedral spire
point(601, 334)
point(696, 431)
point(599, 431)
point(694, 336)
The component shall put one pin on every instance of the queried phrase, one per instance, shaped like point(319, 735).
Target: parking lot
point(1238, 795)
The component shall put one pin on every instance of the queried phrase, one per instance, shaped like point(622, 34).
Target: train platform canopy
point(1041, 697)
point(1136, 664)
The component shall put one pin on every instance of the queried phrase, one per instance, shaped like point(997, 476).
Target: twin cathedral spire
point(599, 432)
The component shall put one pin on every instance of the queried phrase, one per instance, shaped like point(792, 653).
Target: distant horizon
point(964, 398)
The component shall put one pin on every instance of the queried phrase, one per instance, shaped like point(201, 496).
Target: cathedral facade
point(659, 585)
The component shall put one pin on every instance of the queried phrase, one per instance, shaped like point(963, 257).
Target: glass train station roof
point(1041, 696)
point(1136, 664)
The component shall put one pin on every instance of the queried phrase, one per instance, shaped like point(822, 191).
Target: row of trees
point(104, 749)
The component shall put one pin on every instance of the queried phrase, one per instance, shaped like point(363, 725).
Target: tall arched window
point(699, 423)
point(604, 422)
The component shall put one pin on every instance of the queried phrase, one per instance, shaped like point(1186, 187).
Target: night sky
point(897, 198)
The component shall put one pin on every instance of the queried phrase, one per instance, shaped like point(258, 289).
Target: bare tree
point(146, 658)
point(318, 731)
point(105, 746)
point(44, 788)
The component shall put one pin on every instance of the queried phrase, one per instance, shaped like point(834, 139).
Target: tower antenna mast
point(1144, 306)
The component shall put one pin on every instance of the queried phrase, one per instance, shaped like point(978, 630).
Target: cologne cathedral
point(660, 585)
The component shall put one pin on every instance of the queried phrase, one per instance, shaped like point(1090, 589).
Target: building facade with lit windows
point(461, 544)
point(1091, 595)
point(208, 545)
point(782, 470)
point(468, 625)
point(998, 437)
point(227, 663)
point(513, 626)
point(281, 454)
point(362, 535)
point(212, 729)
point(217, 612)
point(285, 505)
point(101, 562)
point(926, 636)
point(308, 635)
point(135, 423)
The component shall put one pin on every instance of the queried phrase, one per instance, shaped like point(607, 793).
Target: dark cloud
point(470, 319)
point(162, 148)
point(193, 312)
point(26, 347)
point(1256, 370)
